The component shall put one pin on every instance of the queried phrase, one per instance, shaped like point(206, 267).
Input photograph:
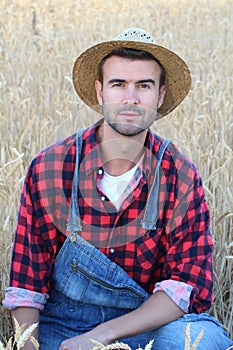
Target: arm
point(157, 311)
point(186, 223)
point(29, 275)
point(28, 316)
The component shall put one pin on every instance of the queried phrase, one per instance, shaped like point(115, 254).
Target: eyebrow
point(142, 81)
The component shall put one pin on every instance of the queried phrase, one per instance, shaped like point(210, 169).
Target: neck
point(119, 153)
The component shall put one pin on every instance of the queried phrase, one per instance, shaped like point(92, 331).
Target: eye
point(117, 85)
point(144, 86)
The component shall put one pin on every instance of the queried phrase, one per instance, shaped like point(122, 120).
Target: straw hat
point(85, 70)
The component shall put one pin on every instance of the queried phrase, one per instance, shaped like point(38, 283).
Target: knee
point(201, 332)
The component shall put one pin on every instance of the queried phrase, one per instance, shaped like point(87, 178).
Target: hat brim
point(177, 81)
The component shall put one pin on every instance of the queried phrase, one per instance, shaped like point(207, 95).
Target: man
point(112, 241)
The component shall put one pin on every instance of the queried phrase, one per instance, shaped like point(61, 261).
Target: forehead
point(126, 68)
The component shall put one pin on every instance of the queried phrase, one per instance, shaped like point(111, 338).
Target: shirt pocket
point(150, 250)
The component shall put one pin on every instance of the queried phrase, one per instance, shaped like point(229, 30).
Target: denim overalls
point(88, 288)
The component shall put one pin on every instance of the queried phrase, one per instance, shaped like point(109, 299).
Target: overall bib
point(88, 288)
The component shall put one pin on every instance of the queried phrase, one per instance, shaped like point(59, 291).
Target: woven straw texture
point(85, 72)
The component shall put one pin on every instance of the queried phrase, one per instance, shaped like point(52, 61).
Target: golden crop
point(39, 43)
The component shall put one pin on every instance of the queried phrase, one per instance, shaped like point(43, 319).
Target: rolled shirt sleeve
point(19, 297)
point(179, 292)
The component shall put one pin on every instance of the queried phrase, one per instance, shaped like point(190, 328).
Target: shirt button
point(102, 198)
point(100, 171)
point(112, 250)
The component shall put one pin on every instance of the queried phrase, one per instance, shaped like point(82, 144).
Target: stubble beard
point(129, 128)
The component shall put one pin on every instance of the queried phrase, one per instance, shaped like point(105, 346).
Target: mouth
point(128, 114)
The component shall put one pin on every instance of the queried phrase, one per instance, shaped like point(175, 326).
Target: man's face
point(130, 94)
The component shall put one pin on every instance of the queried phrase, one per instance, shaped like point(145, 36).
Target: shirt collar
point(152, 145)
point(91, 151)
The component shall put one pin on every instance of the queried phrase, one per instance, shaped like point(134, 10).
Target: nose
point(131, 96)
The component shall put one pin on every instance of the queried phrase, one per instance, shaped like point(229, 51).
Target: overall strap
point(151, 212)
point(74, 223)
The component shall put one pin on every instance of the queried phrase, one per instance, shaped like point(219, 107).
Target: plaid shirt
point(179, 249)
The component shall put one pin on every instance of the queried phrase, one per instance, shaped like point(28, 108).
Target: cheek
point(112, 97)
point(150, 101)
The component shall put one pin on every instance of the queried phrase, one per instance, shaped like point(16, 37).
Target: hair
point(133, 54)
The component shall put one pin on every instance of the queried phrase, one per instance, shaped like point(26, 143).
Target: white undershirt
point(114, 186)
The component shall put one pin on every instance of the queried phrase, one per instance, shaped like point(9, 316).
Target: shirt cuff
point(179, 292)
point(19, 297)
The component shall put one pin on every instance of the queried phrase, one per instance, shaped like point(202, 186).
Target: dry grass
point(39, 42)
point(188, 344)
point(121, 346)
point(22, 335)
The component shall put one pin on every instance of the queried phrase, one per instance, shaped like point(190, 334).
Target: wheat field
point(39, 43)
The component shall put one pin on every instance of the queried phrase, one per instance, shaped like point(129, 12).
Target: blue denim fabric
point(74, 220)
point(88, 289)
point(151, 211)
point(65, 318)
point(83, 273)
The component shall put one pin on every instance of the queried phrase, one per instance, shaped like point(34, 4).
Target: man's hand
point(157, 311)
point(81, 342)
point(84, 341)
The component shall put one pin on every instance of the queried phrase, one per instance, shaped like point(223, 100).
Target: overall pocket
point(85, 274)
point(109, 292)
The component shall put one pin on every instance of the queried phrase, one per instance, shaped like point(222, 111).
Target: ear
point(162, 93)
point(99, 91)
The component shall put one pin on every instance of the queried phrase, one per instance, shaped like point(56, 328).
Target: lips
point(130, 110)
point(128, 114)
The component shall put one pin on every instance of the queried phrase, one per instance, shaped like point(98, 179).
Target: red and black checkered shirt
point(180, 248)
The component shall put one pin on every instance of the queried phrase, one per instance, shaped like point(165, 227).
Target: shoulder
point(174, 160)
point(179, 159)
point(59, 146)
point(56, 156)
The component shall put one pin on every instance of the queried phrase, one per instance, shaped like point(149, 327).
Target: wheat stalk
point(38, 103)
point(149, 345)
point(118, 345)
point(21, 336)
point(25, 336)
point(194, 347)
point(187, 337)
point(188, 345)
